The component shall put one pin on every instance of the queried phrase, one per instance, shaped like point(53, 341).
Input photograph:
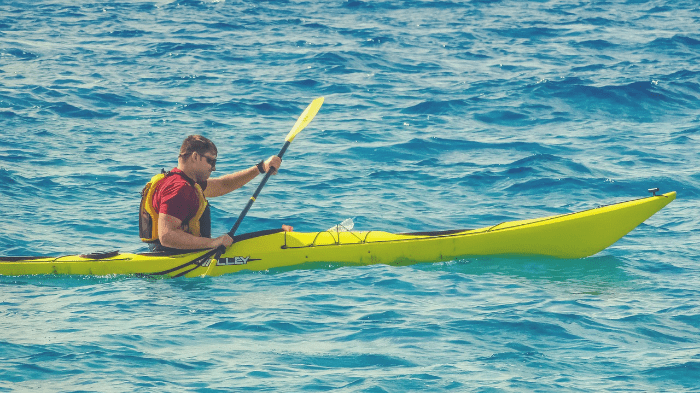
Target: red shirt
point(177, 197)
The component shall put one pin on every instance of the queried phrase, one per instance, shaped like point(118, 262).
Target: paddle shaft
point(302, 122)
point(232, 232)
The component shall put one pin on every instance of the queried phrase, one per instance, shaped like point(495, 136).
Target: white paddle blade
point(305, 118)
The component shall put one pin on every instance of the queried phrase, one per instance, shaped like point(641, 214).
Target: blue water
point(437, 115)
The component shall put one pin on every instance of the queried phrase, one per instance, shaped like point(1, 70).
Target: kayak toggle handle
point(653, 191)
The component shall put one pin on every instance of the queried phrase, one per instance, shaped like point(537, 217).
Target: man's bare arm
point(171, 235)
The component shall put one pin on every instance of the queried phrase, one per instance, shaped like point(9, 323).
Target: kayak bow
point(573, 235)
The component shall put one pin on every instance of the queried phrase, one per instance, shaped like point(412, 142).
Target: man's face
point(205, 164)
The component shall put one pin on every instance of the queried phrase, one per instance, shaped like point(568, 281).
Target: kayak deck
point(572, 235)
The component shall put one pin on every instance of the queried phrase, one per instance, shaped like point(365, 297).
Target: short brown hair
point(197, 143)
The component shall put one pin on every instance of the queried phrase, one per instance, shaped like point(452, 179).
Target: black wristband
point(261, 166)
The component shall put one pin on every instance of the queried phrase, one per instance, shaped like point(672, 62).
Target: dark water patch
point(315, 25)
point(198, 106)
point(597, 44)
point(525, 328)
point(286, 327)
point(690, 320)
point(358, 4)
point(58, 83)
point(590, 67)
point(521, 356)
point(562, 184)
point(530, 33)
point(546, 163)
point(37, 371)
point(330, 59)
point(17, 53)
point(683, 374)
point(676, 42)
point(637, 100)
point(350, 136)
point(361, 361)
point(106, 100)
point(5, 114)
point(436, 144)
point(382, 316)
point(9, 156)
point(684, 75)
point(240, 326)
point(470, 55)
point(45, 91)
point(224, 26)
point(503, 117)
point(67, 110)
point(127, 33)
point(657, 336)
point(437, 107)
point(598, 21)
point(372, 332)
point(167, 48)
point(139, 359)
point(305, 83)
point(662, 268)
point(660, 9)
point(395, 284)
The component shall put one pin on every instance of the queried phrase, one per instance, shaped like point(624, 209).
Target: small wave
point(127, 33)
point(224, 26)
point(546, 164)
point(504, 118)
point(531, 33)
point(318, 26)
point(68, 110)
point(7, 114)
point(513, 356)
point(552, 184)
point(598, 21)
point(305, 83)
point(196, 4)
point(360, 361)
point(437, 107)
point(165, 48)
point(523, 327)
point(684, 374)
point(659, 337)
point(358, 4)
point(20, 54)
point(597, 44)
point(675, 42)
point(637, 100)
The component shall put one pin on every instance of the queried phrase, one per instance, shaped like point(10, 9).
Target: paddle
point(302, 122)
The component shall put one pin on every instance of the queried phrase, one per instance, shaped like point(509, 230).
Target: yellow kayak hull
point(574, 235)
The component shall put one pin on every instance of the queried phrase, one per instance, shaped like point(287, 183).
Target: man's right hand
point(223, 240)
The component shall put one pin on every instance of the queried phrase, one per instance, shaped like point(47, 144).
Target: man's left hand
point(273, 161)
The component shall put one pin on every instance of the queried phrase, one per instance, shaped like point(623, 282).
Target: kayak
point(572, 235)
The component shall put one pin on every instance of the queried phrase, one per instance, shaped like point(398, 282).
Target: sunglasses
point(211, 161)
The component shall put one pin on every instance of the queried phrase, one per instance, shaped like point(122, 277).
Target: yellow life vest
point(199, 225)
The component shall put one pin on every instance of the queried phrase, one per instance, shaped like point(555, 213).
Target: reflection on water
point(594, 275)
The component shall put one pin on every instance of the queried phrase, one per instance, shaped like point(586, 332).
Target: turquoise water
point(438, 115)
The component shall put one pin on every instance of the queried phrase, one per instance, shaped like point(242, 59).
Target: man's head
point(197, 157)
point(199, 144)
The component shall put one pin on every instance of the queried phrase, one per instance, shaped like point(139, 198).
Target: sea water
point(438, 115)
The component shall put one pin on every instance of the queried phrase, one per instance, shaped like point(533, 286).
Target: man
point(174, 211)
